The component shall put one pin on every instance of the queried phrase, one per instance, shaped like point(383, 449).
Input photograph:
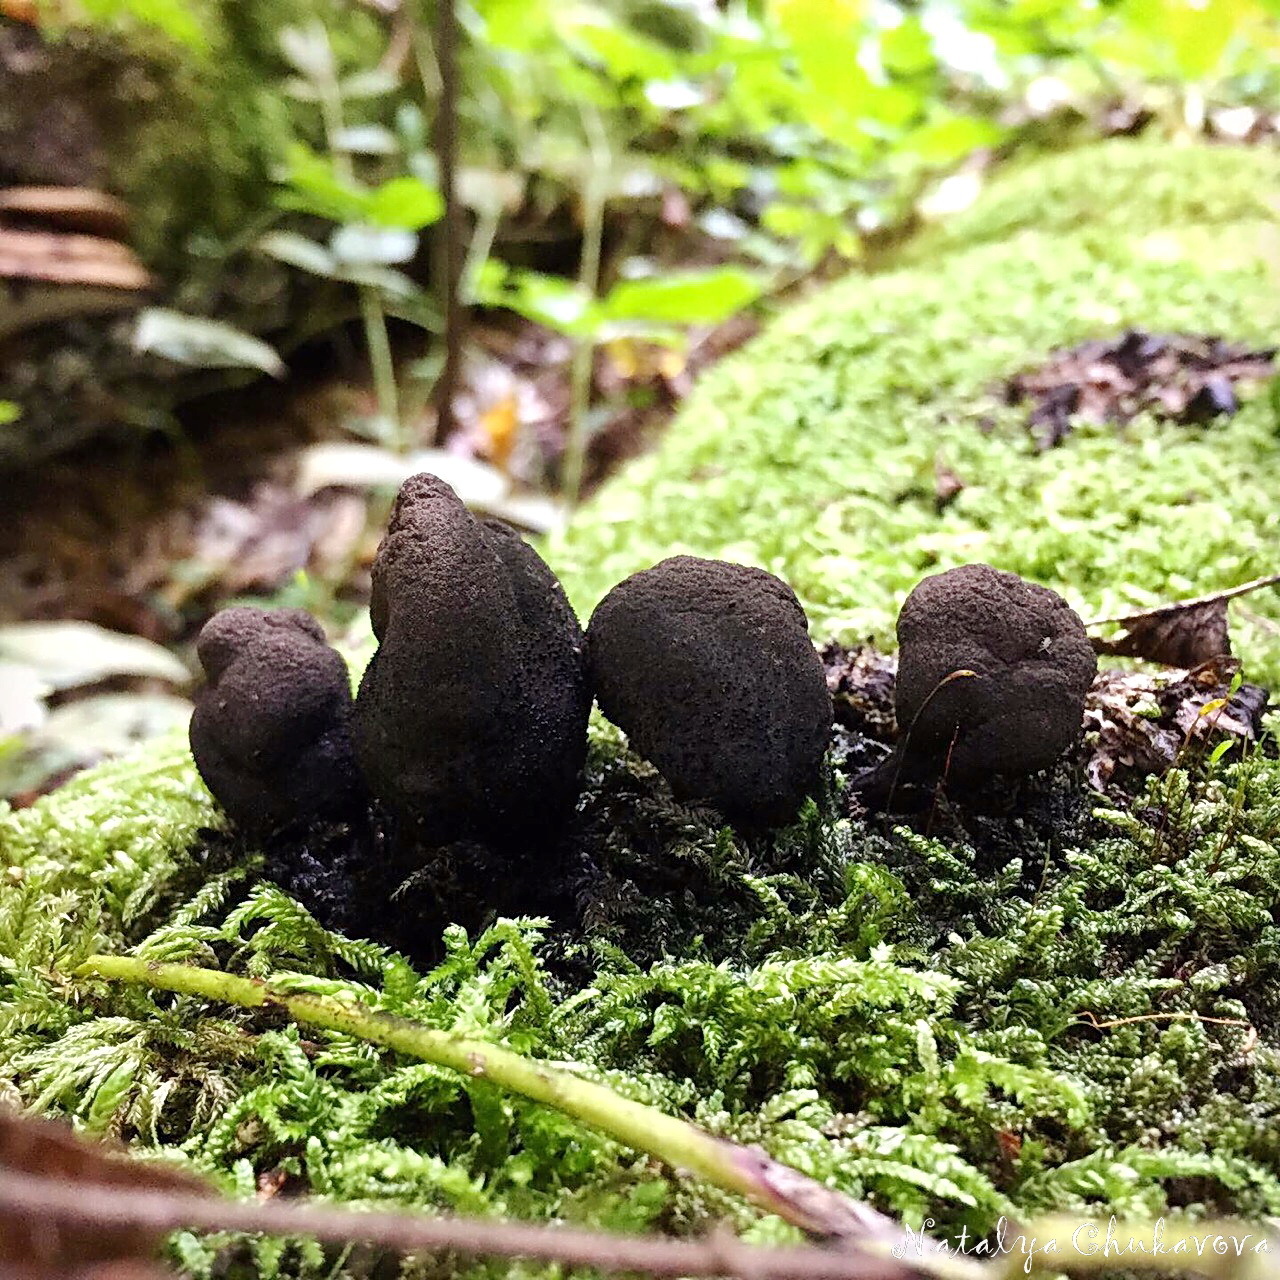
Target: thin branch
point(1227, 1249)
point(595, 197)
point(1270, 580)
point(161, 1212)
point(451, 237)
point(1089, 1019)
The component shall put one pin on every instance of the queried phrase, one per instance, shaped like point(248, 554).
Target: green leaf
point(387, 280)
point(202, 343)
point(1196, 31)
point(949, 137)
point(405, 202)
point(625, 55)
point(366, 140)
point(315, 186)
point(308, 51)
point(515, 24)
point(9, 412)
point(173, 17)
point(374, 83)
point(826, 38)
point(695, 297)
point(553, 301)
point(907, 49)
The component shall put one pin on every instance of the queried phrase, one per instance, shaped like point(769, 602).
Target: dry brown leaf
point(95, 213)
point(1179, 636)
point(1185, 633)
point(947, 485)
point(34, 1248)
point(1140, 722)
point(27, 11)
point(70, 259)
point(1189, 378)
point(499, 427)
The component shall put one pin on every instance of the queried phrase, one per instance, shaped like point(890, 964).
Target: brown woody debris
point(82, 209)
point(59, 258)
point(33, 1248)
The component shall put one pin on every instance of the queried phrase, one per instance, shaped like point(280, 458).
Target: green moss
point(1064, 1010)
point(812, 452)
point(1114, 190)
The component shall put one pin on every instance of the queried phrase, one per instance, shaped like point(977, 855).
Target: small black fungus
point(471, 719)
point(271, 730)
point(1031, 664)
point(709, 670)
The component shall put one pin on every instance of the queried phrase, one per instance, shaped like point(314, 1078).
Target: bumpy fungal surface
point(471, 718)
point(271, 731)
point(708, 668)
point(1031, 665)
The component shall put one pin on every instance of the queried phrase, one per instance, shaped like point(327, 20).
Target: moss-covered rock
point(1058, 1005)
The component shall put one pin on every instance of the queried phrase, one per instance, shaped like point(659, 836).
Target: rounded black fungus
point(1032, 666)
point(709, 669)
point(271, 730)
point(471, 719)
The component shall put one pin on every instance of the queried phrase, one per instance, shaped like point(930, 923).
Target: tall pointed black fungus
point(271, 730)
point(992, 677)
point(471, 718)
point(708, 668)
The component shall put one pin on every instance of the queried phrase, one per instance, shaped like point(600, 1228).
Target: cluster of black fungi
point(470, 723)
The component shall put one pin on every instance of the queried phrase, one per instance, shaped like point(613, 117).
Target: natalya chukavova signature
point(1092, 1239)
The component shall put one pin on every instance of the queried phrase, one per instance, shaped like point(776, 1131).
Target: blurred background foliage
point(628, 168)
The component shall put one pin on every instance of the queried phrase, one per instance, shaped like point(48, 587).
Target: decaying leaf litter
point(1185, 378)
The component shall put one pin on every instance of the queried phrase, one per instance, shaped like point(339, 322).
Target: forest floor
point(1059, 996)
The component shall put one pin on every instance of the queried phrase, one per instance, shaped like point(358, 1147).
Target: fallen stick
point(162, 1212)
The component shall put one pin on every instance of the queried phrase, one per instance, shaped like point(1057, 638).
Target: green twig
point(374, 318)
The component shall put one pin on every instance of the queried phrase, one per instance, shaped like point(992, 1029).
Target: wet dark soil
point(637, 870)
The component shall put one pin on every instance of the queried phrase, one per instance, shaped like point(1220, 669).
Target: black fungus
point(271, 730)
point(1031, 663)
point(709, 669)
point(471, 718)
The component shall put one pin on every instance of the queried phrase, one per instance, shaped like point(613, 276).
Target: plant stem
point(451, 231)
point(160, 1212)
point(382, 363)
point(746, 1172)
point(373, 316)
point(595, 196)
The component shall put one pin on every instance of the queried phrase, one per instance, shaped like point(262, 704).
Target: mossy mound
point(1115, 190)
point(176, 109)
point(812, 454)
point(1058, 1003)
